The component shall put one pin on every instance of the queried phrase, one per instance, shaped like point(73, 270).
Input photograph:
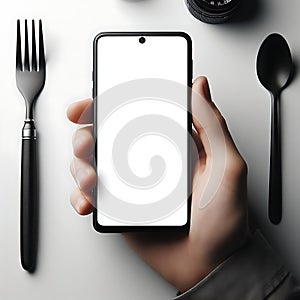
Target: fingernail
point(81, 176)
point(80, 204)
point(207, 90)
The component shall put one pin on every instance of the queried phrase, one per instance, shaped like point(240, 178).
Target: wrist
point(198, 268)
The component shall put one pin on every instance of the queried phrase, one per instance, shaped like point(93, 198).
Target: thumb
point(222, 155)
point(208, 121)
point(202, 87)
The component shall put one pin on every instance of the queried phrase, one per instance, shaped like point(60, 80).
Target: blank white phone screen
point(141, 171)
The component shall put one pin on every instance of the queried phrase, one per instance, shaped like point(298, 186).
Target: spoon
point(274, 68)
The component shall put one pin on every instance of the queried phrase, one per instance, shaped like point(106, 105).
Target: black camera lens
point(142, 40)
point(213, 11)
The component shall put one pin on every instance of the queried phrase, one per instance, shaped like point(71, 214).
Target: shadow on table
point(135, 1)
point(294, 73)
point(248, 11)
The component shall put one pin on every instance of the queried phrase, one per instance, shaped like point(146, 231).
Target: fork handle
point(29, 197)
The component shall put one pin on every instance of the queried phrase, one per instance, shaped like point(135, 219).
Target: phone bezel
point(117, 229)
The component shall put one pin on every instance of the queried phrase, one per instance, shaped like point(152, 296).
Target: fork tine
point(19, 51)
point(26, 57)
point(41, 47)
point(34, 63)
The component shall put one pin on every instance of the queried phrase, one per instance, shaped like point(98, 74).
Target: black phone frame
point(118, 229)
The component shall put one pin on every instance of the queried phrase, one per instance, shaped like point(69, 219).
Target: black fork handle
point(29, 198)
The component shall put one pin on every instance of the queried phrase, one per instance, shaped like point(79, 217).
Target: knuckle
point(221, 119)
point(219, 116)
point(74, 136)
point(237, 166)
point(71, 166)
point(242, 166)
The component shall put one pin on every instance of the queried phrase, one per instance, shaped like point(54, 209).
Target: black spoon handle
point(275, 188)
point(29, 198)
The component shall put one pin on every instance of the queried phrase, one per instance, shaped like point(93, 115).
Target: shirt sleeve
point(252, 273)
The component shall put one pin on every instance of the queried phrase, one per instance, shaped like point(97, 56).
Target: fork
point(30, 79)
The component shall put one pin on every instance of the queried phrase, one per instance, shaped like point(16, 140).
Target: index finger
point(81, 112)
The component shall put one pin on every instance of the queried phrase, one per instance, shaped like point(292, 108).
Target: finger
point(81, 112)
point(197, 141)
point(84, 175)
point(198, 153)
point(208, 120)
point(83, 142)
point(81, 203)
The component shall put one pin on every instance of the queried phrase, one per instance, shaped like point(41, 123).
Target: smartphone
point(141, 133)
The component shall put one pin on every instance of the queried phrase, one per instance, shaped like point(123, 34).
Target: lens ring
point(212, 14)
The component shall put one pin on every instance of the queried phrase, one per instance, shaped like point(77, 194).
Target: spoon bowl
point(274, 63)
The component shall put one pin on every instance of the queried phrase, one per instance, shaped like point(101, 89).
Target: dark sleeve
point(252, 273)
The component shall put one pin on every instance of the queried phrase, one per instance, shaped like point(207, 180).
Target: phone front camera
point(142, 40)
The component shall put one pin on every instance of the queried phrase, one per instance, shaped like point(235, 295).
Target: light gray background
point(74, 261)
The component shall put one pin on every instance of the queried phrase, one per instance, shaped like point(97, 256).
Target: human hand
point(216, 231)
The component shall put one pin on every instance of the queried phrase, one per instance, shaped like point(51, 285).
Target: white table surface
point(74, 261)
